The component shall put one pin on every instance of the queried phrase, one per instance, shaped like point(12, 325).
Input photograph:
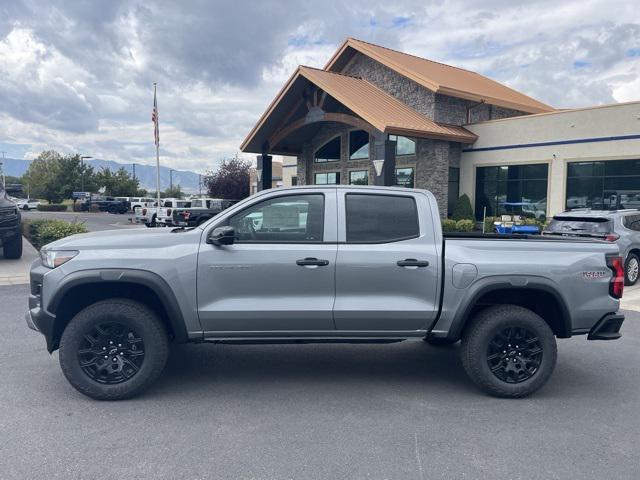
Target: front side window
point(329, 152)
point(404, 177)
point(404, 145)
point(380, 218)
point(327, 178)
point(359, 177)
point(288, 219)
point(358, 145)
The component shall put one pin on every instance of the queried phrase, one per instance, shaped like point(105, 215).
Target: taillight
point(186, 215)
point(616, 285)
point(144, 211)
point(611, 237)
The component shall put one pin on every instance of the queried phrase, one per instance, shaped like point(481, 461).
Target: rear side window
point(632, 222)
point(579, 225)
point(380, 218)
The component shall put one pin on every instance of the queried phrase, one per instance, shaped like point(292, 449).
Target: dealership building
point(382, 117)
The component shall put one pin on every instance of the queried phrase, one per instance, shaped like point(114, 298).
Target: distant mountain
point(146, 174)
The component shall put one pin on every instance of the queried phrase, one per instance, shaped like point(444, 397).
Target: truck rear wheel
point(12, 249)
point(508, 351)
point(113, 349)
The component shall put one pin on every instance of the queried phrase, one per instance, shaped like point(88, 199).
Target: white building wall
point(583, 125)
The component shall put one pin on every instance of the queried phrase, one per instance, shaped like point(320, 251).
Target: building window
point(404, 177)
point(294, 181)
point(359, 177)
point(358, 145)
point(613, 184)
point(380, 218)
point(404, 145)
point(328, 178)
point(512, 190)
point(454, 189)
point(329, 152)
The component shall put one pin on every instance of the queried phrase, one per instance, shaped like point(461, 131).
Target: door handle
point(311, 261)
point(412, 262)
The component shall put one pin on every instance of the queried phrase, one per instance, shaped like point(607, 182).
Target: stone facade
point(432, 159)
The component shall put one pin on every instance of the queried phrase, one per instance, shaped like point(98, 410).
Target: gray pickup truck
point(320, 264)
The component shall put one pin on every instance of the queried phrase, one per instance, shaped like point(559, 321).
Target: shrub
point(53, 207)
point(462, 209)
point(488, 224)
point(41, 232)
point(448, 225)
point(465, 225)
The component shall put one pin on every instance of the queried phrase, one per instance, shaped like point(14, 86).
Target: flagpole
point(157, 142)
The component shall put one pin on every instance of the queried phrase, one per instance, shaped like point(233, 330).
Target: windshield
point(579, 225)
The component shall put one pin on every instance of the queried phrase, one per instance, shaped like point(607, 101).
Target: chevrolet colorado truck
point(10, 228)
point(321, 264)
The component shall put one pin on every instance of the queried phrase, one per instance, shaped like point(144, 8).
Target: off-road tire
point(631, 258)
point(12, 249)
point(128, 312)
point(484, 327)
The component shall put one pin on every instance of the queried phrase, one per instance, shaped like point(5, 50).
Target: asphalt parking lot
point(93, 221)
point(402, 411)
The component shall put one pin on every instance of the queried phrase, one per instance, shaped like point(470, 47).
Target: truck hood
point(121, 239)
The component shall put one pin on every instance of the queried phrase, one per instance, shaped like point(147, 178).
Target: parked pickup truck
point(201, 210)
point(321, 264)
point(165, 214)
point(10, 228)
point(104, 204)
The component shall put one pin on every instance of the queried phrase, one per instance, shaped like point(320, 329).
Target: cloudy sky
point(77, 75)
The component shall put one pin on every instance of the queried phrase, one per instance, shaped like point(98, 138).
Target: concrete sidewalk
point(16, 272)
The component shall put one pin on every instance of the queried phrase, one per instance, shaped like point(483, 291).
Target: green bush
point(53, 207)
point(41, 232)
point(463, 209)
point(488, 224)
point(448, 225)
point(465, 225)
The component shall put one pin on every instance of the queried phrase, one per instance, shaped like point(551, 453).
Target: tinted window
point(632, 222)
point(329, 178)
point(404, 145)
point(359, 177)
point(579, 225)
point(288, 219)
point(380, 218)
point(358, 145)
point(612, 184)
point(329, 152)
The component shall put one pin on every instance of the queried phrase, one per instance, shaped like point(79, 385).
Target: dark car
point(201, 210)
point(105, 204)
point(10, 230)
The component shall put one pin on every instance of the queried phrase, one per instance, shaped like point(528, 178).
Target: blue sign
point(80, 195)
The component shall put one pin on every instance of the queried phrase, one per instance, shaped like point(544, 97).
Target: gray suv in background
point(617, 226)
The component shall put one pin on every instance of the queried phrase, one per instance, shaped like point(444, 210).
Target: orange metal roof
point(444, 79)
point(372, 104)
point(380, 109)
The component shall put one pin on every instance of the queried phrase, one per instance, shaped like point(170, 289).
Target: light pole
point(2, 170)
point(82, 157)
point(171, 180)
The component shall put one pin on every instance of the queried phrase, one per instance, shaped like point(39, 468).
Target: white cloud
point(78, 77)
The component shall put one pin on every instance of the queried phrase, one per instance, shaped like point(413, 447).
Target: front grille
point(8, 212)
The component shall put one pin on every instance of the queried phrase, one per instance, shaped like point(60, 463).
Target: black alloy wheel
point(514, 355)
point(111, 353)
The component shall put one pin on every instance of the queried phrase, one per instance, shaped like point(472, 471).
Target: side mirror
point(222, 236)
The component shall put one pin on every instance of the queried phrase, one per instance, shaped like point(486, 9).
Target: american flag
point(154, 118)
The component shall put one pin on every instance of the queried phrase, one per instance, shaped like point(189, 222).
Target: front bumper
point(37, 317)
point(607, 328)
point(9, 232)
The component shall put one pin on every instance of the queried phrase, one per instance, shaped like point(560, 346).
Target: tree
point(462, 209)
point(230, 181)
point(42, 176)
point(175, 192)
point(118, 183)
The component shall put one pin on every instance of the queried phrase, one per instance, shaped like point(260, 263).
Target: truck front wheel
point(508, 351)
point(113, 349)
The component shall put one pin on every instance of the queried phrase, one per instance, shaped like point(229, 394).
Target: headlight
point(55, 258)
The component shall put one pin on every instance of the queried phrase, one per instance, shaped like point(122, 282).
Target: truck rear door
point(387, 264)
